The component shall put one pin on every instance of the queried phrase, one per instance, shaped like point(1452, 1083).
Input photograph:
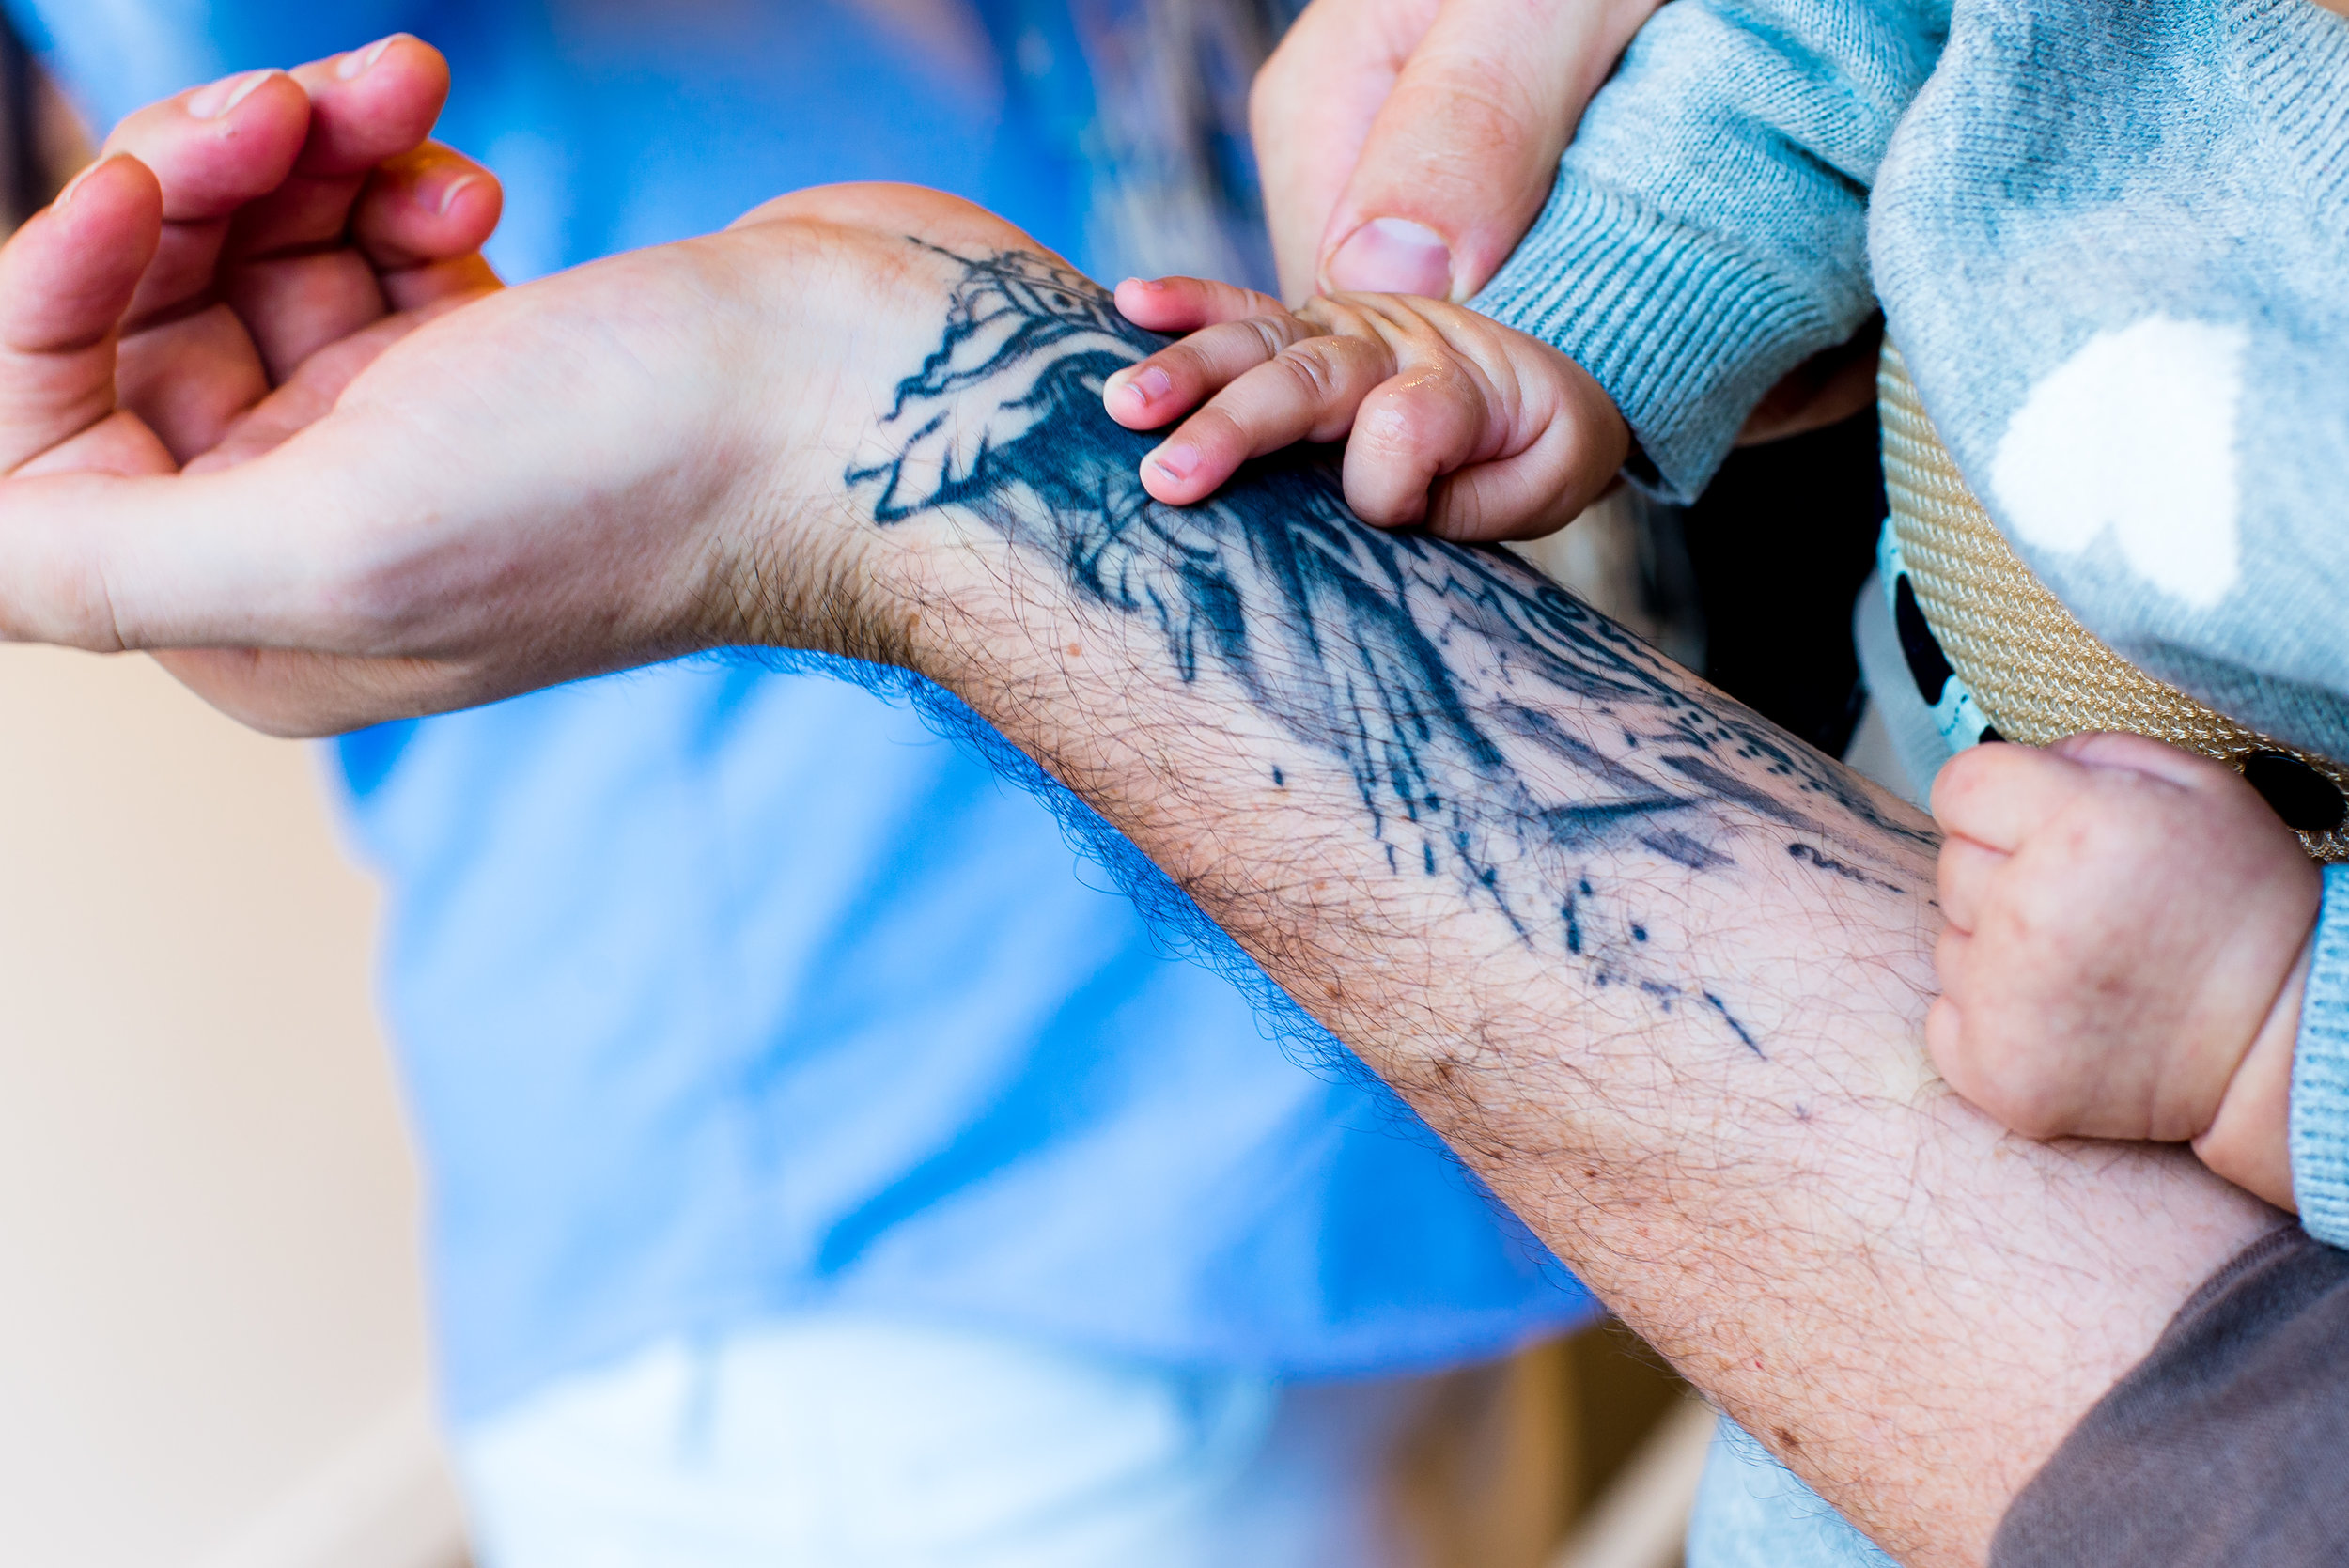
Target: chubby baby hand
point(2127, 938)
point(1450, 419)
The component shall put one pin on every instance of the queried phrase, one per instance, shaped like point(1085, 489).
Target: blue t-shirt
point(723, 991)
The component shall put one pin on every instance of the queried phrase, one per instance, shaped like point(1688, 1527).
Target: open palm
point(265, 411)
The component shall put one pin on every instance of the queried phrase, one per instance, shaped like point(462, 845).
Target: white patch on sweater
point(2134, 435)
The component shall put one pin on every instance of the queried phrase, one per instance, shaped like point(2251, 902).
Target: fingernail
point(221, 97)
point(441, 196)
point(65, 197)
point(1393, 256)
point(1152, 285)
point(359, 61)
point(1145, 386)
point(1176, 462)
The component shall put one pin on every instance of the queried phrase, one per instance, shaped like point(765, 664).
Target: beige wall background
point(212, 1332)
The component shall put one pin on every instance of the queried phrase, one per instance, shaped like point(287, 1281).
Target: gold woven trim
point(2036, 672)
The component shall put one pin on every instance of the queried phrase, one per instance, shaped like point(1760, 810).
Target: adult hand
point(1408, 145)
point(205, 288)
point(693, 446)
point(242, 418)
point(232, 258)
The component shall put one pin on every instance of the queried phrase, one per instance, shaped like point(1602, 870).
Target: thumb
point(1310, 113)
point(1462, 155)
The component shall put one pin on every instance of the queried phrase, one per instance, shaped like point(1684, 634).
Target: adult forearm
point(1657, 970)
point(1653, 969)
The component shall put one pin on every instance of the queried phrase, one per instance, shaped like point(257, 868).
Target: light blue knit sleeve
point(2320, 1075)
point(1709, 229)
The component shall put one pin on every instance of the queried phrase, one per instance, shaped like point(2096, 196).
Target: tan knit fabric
point(2036, 672)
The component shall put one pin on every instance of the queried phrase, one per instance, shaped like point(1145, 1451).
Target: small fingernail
point(1179, 461)
point(1150, 383)
point(221, 97)
point(359, 61)
point(440, 195)
point(1393, 256)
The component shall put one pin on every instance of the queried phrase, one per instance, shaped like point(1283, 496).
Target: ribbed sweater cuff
point(1682, 330)
point(2320, 1075)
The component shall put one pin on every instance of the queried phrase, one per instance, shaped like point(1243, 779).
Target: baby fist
point(2125, 921)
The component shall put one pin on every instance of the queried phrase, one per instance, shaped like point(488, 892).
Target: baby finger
point(1430, 421)
point(1176, 380)
point(1965, 871)
point(1308, 392)
point(1180, 304)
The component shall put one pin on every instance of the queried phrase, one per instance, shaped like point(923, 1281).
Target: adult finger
point(2000, 795)
point(429, 206)
point(1311, 111)
point(1310, 391)
point(1465, 150)
point(217, 146)
point(1177, 379)
point(65, 278)
point(291, 281)
point(364, 107)
point(214, 149)
point(371, 104)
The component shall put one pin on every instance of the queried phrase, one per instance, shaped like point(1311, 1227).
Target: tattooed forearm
point(1498, 733)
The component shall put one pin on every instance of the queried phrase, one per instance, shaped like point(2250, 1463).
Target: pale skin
point(1406, 145)
point(2128, 923)
point(1657, 972)
point(2127, 941)
point(1477, 431)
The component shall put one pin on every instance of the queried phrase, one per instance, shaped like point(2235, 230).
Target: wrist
point(2248, 1140)
point(833, 539)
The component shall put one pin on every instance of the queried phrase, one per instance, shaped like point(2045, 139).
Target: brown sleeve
point(2228, 1445)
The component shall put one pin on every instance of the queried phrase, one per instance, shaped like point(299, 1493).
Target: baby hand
point(2128, 929)
point(1451, 419)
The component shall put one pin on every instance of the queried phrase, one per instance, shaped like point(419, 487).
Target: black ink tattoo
point(1466, 694)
